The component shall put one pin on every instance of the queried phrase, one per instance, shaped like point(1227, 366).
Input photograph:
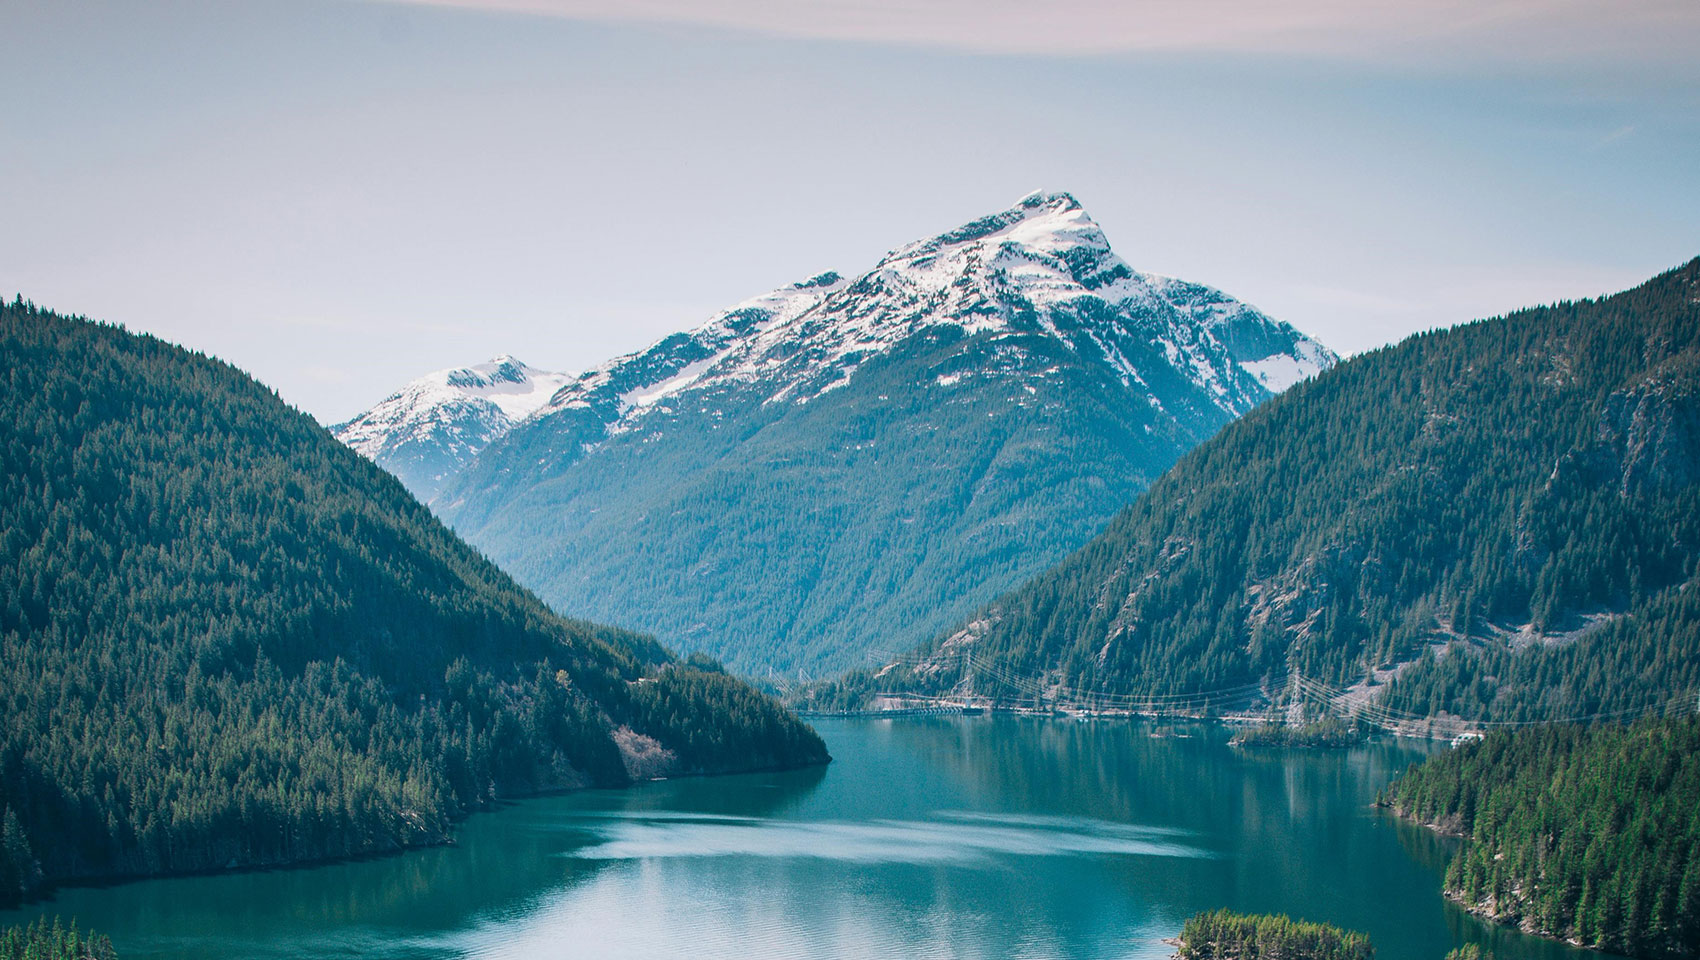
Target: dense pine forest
point(229, 640)
point(1589, 834)
point(53, 940)
point(1506, 514)
point(1224, 935)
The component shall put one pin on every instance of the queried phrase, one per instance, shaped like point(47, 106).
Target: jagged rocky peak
point(505, 369)
point(1045, 264)
point(1044, 247)
point(1041, 223)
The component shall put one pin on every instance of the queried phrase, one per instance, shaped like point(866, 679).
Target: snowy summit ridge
point(434, 425)
point(1042, 266)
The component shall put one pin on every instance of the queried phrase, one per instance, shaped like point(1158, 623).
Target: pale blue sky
point(339, 195)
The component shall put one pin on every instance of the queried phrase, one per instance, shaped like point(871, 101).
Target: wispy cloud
point(1614, 136)
point(1359, 29)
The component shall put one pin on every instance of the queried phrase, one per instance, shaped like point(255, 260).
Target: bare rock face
point(1656, 426)
point(1649, 435)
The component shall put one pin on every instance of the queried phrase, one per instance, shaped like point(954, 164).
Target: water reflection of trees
point(1434, 852)
point(752, 795)
point(503, 863)
point(1423, 845)
point(1507, 941)
point(1294, 830)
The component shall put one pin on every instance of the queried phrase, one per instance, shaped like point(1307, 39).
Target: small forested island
point(1225, 935)
point(228, 640)
point(1589, 834)
point(53, 940)
point(1320, 734)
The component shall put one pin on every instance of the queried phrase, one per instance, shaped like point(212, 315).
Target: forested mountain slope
point(228, 640)
point(851, 464)
point(1498, 521)
point(1587, 834)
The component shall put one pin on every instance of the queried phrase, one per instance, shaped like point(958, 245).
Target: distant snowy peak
point(1041, 269)
point(504, 386)
point(515, 388)
point(1042, 266)
point(427, 430)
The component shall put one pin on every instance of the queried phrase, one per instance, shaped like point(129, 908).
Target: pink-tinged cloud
point(1520, 30)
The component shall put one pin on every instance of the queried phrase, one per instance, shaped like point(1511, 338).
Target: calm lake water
point(962, 837)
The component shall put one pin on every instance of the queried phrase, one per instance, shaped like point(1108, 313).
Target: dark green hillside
point(229, 640)
point(1590, 834)
point(1509, 508)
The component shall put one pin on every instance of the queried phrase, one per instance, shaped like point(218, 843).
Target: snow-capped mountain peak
point(864, 458)
point(1042, 221)
point(1042, 266)
point(432, 426)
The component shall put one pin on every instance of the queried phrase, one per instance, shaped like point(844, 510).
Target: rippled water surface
point(969, 837)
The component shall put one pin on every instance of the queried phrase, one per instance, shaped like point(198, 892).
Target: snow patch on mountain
point(1279, 371)
point(432, 426)
point(645, 395)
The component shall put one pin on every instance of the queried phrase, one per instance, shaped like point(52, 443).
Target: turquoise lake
point(977, 837)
